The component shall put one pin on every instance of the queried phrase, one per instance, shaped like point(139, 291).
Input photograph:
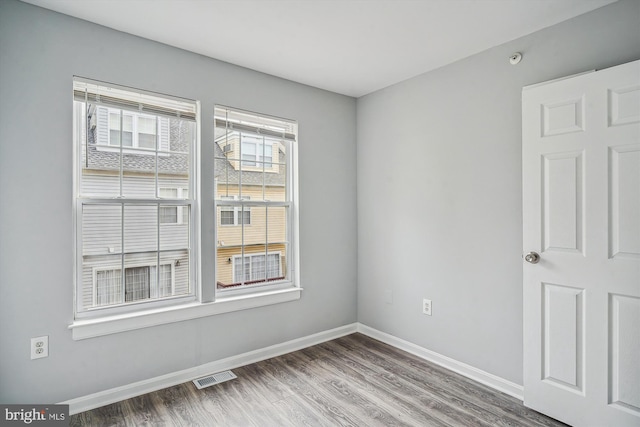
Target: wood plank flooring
point(350, 381)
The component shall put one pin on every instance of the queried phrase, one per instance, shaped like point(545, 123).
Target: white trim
point(89, 328)
point(291, 197)
point(96, 400)
point(117, 394)
point(493, 381)
point(531, 86)
point(192, 203)
point(148, 101)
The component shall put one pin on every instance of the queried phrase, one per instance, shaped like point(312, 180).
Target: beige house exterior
point(253, 231)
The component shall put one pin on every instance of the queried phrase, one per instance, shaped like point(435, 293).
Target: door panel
point(625, 367)
point(563, 343)
point(562, 197)
point(624, 201)
point(581, 213)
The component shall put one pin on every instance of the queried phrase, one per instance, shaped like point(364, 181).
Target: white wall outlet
point(426, 307)
point(39, 347)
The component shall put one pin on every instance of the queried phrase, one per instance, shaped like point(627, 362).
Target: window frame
point(82, 125)
point(206, 300)
point(290, 204)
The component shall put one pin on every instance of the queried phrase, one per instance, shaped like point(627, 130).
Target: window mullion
point(156, 161)
point(121, 156)
point(264, 179)
point(240, 169)
point(242, 236)
point(84, 132)
point(123, 283)
point(242, 248)
point(266, 239)
point(157, 143)
point(134, 131)
point(157, 249)
point(132, 201)
point(226, 166)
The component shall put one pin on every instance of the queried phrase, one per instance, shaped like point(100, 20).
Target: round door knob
point(532, 257)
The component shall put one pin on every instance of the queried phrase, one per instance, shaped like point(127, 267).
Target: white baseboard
point(128, 391)
point(493, 381)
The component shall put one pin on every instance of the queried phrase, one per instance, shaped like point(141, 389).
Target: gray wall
point(438, 214)
point(439, 190)
point(40, 51)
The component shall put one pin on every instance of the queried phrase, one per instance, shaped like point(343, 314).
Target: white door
point(581, 214)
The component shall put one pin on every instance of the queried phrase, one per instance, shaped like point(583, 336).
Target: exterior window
point(133, 202)
point(140, 283)
point(253, 172)
point(130, 128)
point(257, 151)
point(248, 153)
point(116, 134)
point(254, 268)
point(235, 215)
point(174, 214)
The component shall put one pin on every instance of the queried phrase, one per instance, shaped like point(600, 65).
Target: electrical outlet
point(39, 347)
point(426, 307)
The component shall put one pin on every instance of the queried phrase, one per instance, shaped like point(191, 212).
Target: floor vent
point(218, 378)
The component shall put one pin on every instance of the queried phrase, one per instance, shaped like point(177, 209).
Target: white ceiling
point(352, 47)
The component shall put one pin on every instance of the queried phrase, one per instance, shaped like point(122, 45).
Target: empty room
point(319, 212)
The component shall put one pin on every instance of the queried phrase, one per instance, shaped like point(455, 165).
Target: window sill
point(83, 329)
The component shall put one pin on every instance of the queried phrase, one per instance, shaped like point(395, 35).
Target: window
point(254, 268)
point(174, 214)
point(129, 128)
point(140, 283)
point(137, 213)
point(138, 130)
point(235, 215)
point(135, 159)
point(257, 151)
point(254, 192)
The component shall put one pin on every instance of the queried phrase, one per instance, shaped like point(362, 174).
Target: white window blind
point(246, 122)
point(120, 97)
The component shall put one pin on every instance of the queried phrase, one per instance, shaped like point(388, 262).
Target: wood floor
point(350, 381)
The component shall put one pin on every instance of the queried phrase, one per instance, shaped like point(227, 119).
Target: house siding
point(121, 232)
point(178, 259)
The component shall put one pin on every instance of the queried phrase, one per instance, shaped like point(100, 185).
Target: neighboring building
point(154, 239)
point(251, 239)
point(151, 240)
